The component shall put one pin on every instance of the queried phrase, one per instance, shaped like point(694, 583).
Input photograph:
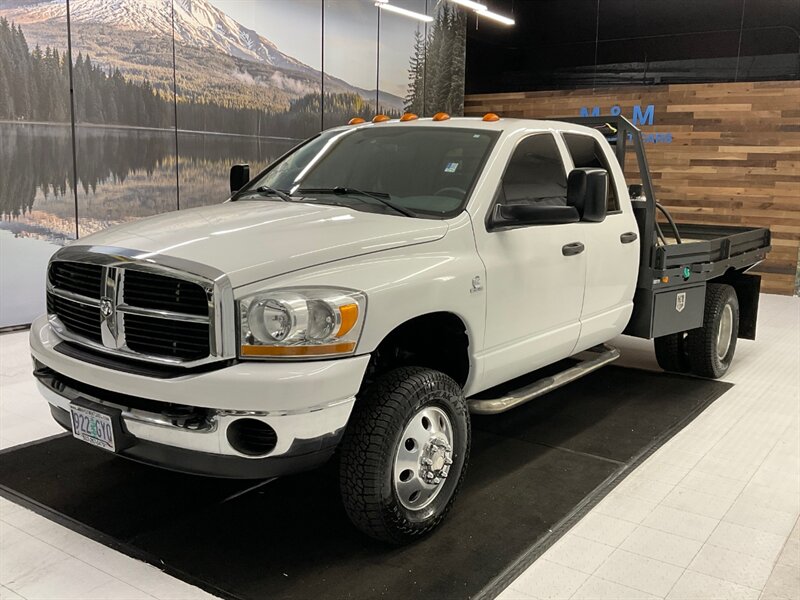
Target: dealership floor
point(712, 514)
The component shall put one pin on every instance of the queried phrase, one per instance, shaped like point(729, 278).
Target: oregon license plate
point(92, 427)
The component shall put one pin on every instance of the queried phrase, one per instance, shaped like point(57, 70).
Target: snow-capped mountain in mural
point(197, 23)
point(113, 31)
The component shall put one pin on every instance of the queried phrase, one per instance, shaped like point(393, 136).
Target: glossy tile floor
point(712, 514)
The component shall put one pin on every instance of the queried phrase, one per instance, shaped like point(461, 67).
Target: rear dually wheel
point(711, 347)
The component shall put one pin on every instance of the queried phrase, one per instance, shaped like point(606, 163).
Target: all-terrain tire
point(711, 347)
point(671, 352)
point(369, 448)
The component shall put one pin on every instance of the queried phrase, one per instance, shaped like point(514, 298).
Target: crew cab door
point(535, 273)
point(612, 247)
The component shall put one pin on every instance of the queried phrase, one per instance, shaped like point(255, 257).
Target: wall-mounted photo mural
point(168, 94)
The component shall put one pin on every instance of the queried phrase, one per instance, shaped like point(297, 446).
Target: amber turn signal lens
point(349, 314)
point(337, 348)
point(380, 119)
point(491, 117)
point(441, 116)
point(665, 279)
point(356, 121)
point(409, 117)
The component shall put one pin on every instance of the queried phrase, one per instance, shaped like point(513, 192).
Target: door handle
point(572, 249)
point(627, 238)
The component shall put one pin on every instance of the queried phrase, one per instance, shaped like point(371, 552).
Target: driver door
point(534, 277)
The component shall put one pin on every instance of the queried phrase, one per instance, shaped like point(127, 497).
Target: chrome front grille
point(129, 309)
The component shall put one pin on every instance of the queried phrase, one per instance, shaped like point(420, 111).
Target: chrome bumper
point(307, 404)
point(206, 433)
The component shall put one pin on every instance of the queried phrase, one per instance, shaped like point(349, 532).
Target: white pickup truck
point(362, 296)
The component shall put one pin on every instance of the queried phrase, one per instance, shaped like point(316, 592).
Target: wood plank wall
point(734, 157)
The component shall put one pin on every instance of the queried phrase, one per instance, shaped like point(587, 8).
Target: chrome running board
point(590, 360)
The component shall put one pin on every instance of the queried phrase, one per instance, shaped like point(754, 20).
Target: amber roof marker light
point(441, 116)
point(381, 118)
point(491, 117)
point(409, 117)
point(356, 121)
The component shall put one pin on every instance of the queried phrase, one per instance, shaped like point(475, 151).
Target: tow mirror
point(240, 175)
point(531, 214)
point(587, 191)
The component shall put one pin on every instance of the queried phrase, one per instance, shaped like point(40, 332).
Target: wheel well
point(435, 340)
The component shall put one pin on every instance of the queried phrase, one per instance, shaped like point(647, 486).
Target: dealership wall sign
point(639, 116)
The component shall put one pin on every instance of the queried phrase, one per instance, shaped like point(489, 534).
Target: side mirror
point(587, 191)
point(530, 214)
point(240, 175)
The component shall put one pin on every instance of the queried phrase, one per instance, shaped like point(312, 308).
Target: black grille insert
point(78, 318)
point(148, 290)
point(78, 278)
point(165, 337)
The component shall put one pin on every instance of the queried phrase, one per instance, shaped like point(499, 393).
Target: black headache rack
point(678, 260)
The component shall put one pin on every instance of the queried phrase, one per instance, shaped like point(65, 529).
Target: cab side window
point(535, 174)
point(586, 152)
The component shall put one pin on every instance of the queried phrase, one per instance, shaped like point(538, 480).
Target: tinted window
point(535, 174)
point(429, 170)
point(586, 152)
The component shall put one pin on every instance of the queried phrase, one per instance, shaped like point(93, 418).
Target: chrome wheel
point(724, 334)
point(423, 458)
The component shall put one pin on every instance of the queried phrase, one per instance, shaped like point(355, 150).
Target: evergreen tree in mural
point(416, 76)
point(34, 84)
point(436, 68)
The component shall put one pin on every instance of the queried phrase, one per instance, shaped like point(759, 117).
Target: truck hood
point(254, 240)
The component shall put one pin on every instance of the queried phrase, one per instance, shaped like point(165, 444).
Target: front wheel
point(711, 348)
point(404, 454)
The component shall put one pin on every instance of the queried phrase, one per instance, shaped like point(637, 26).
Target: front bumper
point(307, 404)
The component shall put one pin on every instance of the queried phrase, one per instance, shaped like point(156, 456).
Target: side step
point(590, 360)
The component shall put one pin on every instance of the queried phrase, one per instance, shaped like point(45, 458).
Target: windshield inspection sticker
point(451, 167)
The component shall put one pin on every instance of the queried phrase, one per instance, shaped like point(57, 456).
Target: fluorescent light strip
point(495, 17)
point(470, 4)
point(402, 11)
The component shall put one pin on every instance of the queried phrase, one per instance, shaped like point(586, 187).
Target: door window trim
point(563, 153)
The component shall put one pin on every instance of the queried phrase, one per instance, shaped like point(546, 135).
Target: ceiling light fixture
point(482, 10)
point(384, 5)
point(495, 17)
point(477, 6)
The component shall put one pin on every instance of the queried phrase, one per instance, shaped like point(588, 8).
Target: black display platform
point(533, 472)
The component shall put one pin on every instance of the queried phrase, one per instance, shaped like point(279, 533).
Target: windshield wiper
point(381, 197)
point(265, 190)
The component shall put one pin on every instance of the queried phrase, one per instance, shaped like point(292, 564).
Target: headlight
point(301, 322)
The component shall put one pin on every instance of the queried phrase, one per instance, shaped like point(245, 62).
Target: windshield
point(428, 171)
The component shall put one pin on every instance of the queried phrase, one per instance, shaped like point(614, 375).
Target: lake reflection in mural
point(123, 174)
